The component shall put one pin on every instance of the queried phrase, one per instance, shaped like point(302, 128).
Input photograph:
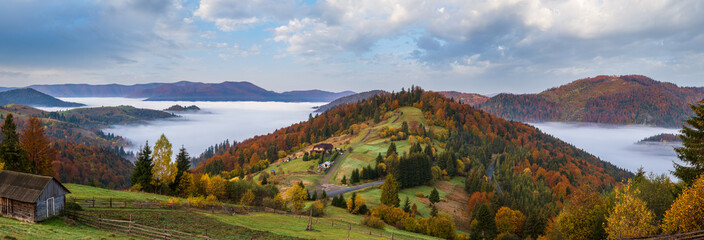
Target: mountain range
point(189, 91)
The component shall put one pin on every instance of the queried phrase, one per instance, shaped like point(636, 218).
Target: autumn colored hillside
point(501, 161)
point(629, 99)
point(85, 154)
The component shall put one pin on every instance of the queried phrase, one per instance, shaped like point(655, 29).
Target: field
point(56, 228)
point(87, 192)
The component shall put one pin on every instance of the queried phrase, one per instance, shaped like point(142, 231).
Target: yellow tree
point(687, 212)
point(509, 221)
point(164, 171)
point(247, 198)
point(185, 185)
point(216, 187)
point(356, 205)
point(36, 144)
point(296, 197)
point(630, 217)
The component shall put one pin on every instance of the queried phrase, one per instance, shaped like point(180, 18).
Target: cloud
point(232, 15)
point(88, 34)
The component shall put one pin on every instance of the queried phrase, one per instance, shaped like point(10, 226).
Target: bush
point(72, 206)
point(174, 202)
point(373, 222)
point(318, 208)
point(388, 214)
point(420, 195)
point(196, 201)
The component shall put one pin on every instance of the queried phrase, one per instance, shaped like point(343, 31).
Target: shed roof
point(323, 145)
point(24, 187)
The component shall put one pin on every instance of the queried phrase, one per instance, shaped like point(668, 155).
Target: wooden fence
point(131, 228)
point(677, 236)
point(117, 203)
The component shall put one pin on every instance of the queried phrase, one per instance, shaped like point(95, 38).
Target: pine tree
point(379, 159)
point(142, 174)
point(433, 211)
point(314, 196)
point(344, 179)
point(434, 196)
point(183, 164)
point(11, 153)
point(324, 195)
point(39, 153)
point(389, 192)
point(485, 225)
point(692, 135)
point(391, 150)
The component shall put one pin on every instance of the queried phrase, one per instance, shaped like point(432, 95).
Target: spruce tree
point(183, 164)
point(379, 159)
point(391, 150)
point(324, 195)
point(142, 174)
point(407, 205)
point(692, 151)
point(389, 192)
point(11, 153)
point(486, 225)
point(344, 179)
point(434, 196)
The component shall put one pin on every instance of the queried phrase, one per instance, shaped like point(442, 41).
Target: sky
point(481, 46)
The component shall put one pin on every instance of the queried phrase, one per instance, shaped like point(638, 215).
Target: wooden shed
point(29, 197)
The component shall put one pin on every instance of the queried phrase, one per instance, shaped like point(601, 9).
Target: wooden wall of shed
point(41, 213)
point(53, 189)
point(21, 211)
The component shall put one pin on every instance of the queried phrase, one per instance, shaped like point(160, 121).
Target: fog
point(215, 122)
point(617, 144)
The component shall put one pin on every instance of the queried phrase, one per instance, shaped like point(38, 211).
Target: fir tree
point(183, 164)
point(486, 225)
point(379, 159)
point(314, 196)
point(433, 211)
point(344, 179)
point(434, 196)
point(692, 135)
point(391, 150)
point(324, 195)
point(142, 174)
point(11, 153)
point(407, 205)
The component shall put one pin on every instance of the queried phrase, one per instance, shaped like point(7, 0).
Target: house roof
point(24, 187)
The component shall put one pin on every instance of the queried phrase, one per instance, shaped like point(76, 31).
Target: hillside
point(31, 97)
point(470, 155)
point(472, 99)
point(630, 99)
point(189, 91)
point(350, 99)
point(85, 154)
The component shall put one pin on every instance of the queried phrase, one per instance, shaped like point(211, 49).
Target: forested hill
point(350, 99)
point(85, 154)
point(31, 97)
point(630, 99)
point(534, 168)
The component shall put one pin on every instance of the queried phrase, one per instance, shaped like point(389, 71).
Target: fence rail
point(133, 229)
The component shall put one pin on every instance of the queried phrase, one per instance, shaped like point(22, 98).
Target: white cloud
point(232, 15)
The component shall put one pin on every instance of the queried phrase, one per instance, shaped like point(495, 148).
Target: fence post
point(165, 237)
point(129, 228)
point(392, 236)
point(100, 221)
point(125, 203)
point(110, 202)
point(93, 201)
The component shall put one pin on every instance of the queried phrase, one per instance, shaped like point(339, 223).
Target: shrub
point(174, 201)
point(318, 208)
point(388, 214)
point(373, 222)
point(196, 201)
point(420, 195)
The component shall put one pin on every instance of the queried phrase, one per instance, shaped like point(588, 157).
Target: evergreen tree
point(415, 148)
point(692, 135)
point(11, 153)
point(389, 192)
point(407, 205)
point(433, 211)
point(534, 226)
point(142, 174)
point(324, 195)
point(485, 225)
point(355, 176)
point(314, 196)
point(391, 150)
point(379, 159)
point(404, 127)
point(434, 196)
point(344, 179)
point(183, 164)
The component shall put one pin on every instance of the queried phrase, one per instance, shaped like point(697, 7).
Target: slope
point(535, 172)
point(31, 97)
point(629, 99)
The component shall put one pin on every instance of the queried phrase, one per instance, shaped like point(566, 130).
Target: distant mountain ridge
point(189, 91)
point(31, 97)
point(350, 99)
point(628, 99)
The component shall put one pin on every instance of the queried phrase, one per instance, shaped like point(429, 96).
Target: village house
point(322, 147)
point(29, 197)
